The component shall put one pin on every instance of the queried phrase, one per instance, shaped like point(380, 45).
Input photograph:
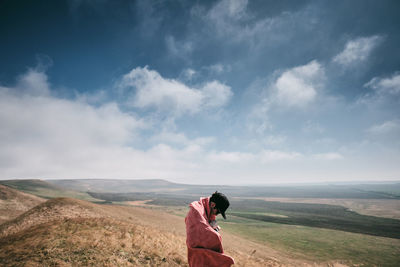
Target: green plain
point(318, 244)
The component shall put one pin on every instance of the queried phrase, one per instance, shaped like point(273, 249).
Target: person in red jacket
point(203, 240)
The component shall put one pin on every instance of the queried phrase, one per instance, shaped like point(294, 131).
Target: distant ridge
point(28, 184)
point(114, 185)
point(158, 186)
point(44, 189)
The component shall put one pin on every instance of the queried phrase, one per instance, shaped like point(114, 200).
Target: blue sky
point(217, 92)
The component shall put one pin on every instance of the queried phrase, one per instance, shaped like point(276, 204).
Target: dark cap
point(221, 202)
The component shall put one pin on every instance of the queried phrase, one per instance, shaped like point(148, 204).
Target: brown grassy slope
point(69, 232)
point(13, 203)
point(54, 209)
point(88, 242)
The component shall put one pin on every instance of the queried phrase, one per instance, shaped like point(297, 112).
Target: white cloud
point(43, 134)
point(299, 86)
point(384, 96)
point(357, 50)
point(215, 94)
point(172, 96)
point(63, 122)
point(389, 86)
point(152, 90)
point(34, 83)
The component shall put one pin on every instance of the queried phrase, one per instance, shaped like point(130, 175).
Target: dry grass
point(67, 232)
point(13, 203)
point(54, 209)
point(89, 242)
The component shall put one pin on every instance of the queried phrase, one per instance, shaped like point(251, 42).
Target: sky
point(200, 92)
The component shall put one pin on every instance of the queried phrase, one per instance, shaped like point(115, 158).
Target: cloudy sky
point(217, 92)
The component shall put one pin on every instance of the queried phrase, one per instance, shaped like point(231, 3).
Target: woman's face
point(214, 209)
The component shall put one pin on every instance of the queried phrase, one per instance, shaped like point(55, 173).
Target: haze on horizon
point(200, 92)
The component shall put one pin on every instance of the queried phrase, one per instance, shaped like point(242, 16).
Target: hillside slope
point(70, 232)
point(14, 203)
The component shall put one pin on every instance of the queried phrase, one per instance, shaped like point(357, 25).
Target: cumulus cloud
point(383, 96)
point(34, 83)
point(42, 132)
point(64, 122)
point(215, 94)
point(389, 86)
point(297, 87)
point(45, 136)
point(357, 50)
point(169, 95)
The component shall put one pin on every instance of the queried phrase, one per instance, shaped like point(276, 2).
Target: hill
point(70, 232)
point(115, 185)
point(14, 203)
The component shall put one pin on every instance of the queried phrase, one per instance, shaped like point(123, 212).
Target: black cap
point(221, 202)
